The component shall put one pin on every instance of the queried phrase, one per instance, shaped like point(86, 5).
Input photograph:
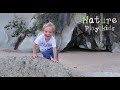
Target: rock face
point(97, 36)
point(9, 41)
point(4, 19)
point(67, 31)
point(16, 64)
point(26, 45)
point(114, 36)
point(72, 32)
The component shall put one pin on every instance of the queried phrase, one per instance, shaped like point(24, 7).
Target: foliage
point(18, 24)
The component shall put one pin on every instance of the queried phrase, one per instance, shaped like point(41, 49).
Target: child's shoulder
point(53, 37)
point(41, 35)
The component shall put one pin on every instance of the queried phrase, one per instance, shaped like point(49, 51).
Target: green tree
point(20, 27)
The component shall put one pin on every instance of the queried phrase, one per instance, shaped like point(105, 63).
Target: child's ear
point(53, 33)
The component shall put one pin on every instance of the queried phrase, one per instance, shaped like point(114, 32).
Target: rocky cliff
point(93, 31)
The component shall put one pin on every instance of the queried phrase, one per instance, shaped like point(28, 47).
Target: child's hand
point(35, 55)
point(56, 61)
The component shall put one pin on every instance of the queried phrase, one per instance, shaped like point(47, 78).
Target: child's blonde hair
point(49, 24)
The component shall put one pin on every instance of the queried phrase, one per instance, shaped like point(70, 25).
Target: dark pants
point(48, 53)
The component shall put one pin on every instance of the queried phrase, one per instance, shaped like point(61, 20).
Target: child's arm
point(55, 54)
point(34, 50)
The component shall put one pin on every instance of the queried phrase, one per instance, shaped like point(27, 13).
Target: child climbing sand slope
point(46, 43)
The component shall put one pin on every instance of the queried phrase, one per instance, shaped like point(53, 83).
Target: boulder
point(67, 31)
point(116, 48)
point(105, 38)
point(26, 45)
point(9, 41)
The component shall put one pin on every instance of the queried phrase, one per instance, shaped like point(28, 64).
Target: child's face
point(48, 32)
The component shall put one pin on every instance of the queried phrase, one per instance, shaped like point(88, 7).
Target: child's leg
point(48, 53)
point(51, 53)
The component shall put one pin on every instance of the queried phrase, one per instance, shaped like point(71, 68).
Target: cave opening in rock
point(82, 40)
point(76, 38)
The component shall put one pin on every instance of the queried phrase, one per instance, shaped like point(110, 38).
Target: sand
point(20, 64)
point(88, 63)
point(92, 63)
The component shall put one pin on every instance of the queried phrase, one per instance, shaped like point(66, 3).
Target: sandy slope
point(88, 63)
point(18, 64)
